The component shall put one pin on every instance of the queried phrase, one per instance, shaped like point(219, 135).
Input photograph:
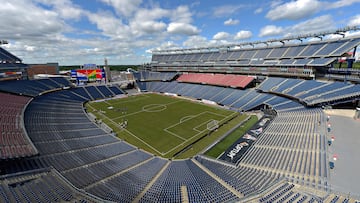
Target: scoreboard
point(89, 73)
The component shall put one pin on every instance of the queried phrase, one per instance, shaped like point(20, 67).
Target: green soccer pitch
point(162, 125)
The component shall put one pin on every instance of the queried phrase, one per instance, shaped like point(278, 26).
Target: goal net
point(213, 125)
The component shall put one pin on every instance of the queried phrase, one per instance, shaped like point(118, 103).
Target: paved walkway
point(345, 177)
point(340, 112)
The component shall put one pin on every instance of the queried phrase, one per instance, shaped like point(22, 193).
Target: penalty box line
point(144, 142)
point(206, 122)
point(190, 117)
point(197, 134)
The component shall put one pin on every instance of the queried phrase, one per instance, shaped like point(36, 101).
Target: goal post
point(212, 125)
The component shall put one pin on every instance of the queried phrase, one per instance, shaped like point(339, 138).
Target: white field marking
point(176, 135)
point(128, 114)
point(106, 102)
point(181, 144)
point(137, 112)
point(185, 140)
point(142, 97)
point(210, 112)
point(132, 134)
point(149, 107)
point(194, 116)
point(195, 128)
point(186, 118)
point(91, 106)
point(174, 102)
point(225, 118)
point(143, 141)
point(198, 131)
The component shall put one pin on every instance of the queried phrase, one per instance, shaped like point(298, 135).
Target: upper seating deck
point(318, 53)
point(154, 76)
point(311, 92)
point(33, 87)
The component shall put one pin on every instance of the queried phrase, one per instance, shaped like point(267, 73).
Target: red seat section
point(14, 142)
point(217, 79)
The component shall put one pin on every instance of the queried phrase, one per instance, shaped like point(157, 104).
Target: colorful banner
point(11, 74)
point(88, 74)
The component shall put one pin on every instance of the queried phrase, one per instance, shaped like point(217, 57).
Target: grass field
point(224, 144)
point(162, 125)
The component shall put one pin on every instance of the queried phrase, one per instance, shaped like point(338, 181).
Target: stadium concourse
point(51, 150)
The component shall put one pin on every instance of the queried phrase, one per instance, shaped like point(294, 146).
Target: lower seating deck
point(99, 163)
point(40, 186)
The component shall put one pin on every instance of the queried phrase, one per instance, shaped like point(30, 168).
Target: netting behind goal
point(213, 125)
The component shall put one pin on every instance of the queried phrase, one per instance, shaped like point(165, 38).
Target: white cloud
point(294, 10)
point(29, 48)
point(150, 14)
point(231, 21)
point(165, 46)
point(182, 28)
point(258, 10)
point(275, 3)
point(181, 19)
point(221, 36)
point(196, 41)
point(271, 30)
point(124, 7)
point(341, 3)
point(299, 9)
point(110, 25)
point(226, 10)
point(315, 25)
point(36, 25)
point(354, 21)
point(148, 21)
point(40, 31)
point(181, 14)
point(41, 35)
point(243, 34)
point(148, 27)
point(65, 8)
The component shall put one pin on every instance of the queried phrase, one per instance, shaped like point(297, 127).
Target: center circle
point(154, 107)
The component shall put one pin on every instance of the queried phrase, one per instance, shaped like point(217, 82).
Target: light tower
point(107, 71)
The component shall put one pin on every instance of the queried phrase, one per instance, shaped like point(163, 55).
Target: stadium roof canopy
point(7, 57)
point(267, 43)
point(10, 64)
point(286, 52)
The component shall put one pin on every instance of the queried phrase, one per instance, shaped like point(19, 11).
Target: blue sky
point(126, 31)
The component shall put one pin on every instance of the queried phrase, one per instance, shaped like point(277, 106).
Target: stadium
point(100, 142)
